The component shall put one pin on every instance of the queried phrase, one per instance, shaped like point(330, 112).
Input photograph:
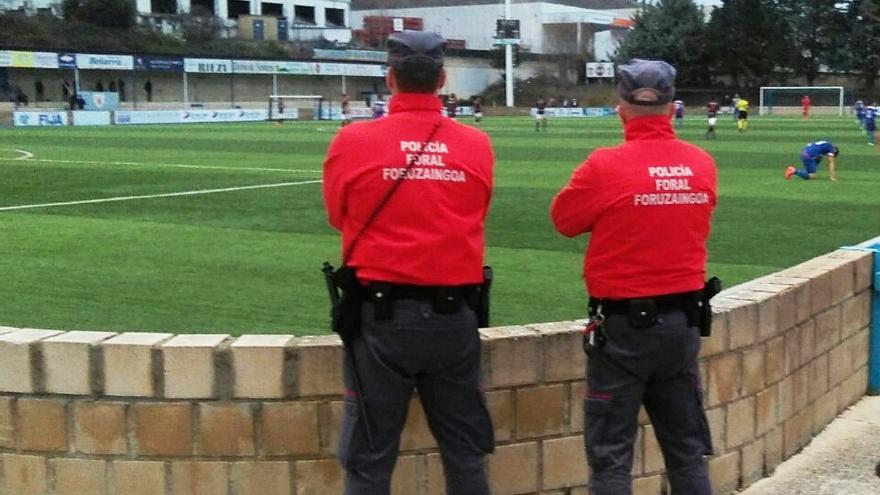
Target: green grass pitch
point(248, 260)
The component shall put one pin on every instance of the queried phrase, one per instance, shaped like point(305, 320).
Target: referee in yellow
point(742, 118)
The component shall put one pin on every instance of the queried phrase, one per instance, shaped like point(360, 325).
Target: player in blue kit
point(811, 155)
point(859, 110)
point(869, 123)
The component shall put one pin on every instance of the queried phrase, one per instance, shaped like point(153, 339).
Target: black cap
point(415, 46)
point(646, 82)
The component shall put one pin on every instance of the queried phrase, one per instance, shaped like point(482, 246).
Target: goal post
point(786, 100)
point(289, 107)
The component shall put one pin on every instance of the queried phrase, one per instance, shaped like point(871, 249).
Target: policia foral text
point(410, 193)
point(647, 204)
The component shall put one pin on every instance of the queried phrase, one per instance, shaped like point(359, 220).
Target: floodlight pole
point(508, 61)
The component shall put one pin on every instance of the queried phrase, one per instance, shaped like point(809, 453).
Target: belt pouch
point(642, 313)
point(447, 300)
point(382, 298)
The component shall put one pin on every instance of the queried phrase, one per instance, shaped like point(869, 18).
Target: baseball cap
point(415, 46)
point(646, 82)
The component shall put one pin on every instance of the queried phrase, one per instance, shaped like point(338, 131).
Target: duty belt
point(445, 299)
point(664, 303)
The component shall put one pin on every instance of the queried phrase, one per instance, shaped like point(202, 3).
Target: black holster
point(345, 301)
point(700, 311)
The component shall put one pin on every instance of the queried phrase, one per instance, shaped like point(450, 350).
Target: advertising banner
point(354, 70)
point(91, 118)
point(600, 70)
point(254, 67)
point(35, 60)
point(40, 119)
point(158, 64)
point(126, 117)
point(105, 62)
point(575, 112)
point(296, 68)
point(100, 100)
point(207, 65)
point(66, 61)
point(134, 117)
point(354, 55)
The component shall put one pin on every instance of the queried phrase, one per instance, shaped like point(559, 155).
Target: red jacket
point(431, 231)
point(648, 204)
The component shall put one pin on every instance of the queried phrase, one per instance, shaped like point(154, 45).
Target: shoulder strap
point(348, 253)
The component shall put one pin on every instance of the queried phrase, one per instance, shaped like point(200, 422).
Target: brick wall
point(152, 413)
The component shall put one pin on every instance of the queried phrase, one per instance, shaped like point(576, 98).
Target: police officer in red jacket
point(647, 204)
point(419, 262)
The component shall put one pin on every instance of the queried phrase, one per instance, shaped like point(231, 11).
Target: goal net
point(786, 100)
point(292, 107)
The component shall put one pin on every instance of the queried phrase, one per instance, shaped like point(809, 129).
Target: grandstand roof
point(400, 4)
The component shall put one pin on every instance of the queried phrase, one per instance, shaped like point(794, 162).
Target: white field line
point(172, 165)
point(23, 155)
point(151, 196)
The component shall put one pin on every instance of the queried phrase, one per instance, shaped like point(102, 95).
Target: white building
point(546, 27)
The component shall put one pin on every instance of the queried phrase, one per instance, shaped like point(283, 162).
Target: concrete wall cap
point(557, 327)
point(138, 339)
point(511, 332)
point(196, 340)
point(318, 341)
point(27, 335)
point(263, 341)
point(80, 337)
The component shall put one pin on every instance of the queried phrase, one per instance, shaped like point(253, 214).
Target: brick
point(801, 388)
point(653, 457)
point(803, 303)
point(500, 405)
point(100, 427)
point(724, 375)
point(25, 475)
point(787, 306)
point(513, 356)
point(786, 398)
point(291, 428)
point(820, 292)
point(854, 388)
point(791, 435)
point(818, 377)
point(576, 407)
point(79, 476)
point(42, 425)
point(435, 482)
point(199, 478)
point(7, 426)
point(163, 429)
point(753, 371)
point(318, 477)
point(842, 282)
point(416, 434)
point(330, 419)
point(226, 429)
point(319, 365)
point(717, 426)
point(839, 363)
point(565, 462)
point(752, 462)
point(740, 422)
point(189, 365)
point(405, 479)
point(718, 342)
point(827, 330)
point(724, 472)
point(856, 313)
point(773, 449)
point(260, 478)
point(807, 349)
point(743, 323)
point(67, 361)
point(774, 360)
point(16, 373)
point(258, 361)
point(638, 453)
point(767, 406)
point(859, 344)
point(513, 469)
point(864, 271)
point(540, 411)
point(138, 478)
point(562, 357)
point(128, 368)
point(768, 319)
point(824, 411)
point(651, 485)
point(793, 349)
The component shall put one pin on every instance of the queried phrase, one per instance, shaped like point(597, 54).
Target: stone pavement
point(842, 460)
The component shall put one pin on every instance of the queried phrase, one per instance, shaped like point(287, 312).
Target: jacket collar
point(412, 102)
point(649, 127)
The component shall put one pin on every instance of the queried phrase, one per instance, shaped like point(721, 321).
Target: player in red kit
point(712, 115)
point(647, 205)
point(410, 193)
point(806, 103)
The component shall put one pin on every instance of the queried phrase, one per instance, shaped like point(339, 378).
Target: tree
point(105, 13)
point(671, 30)
point(200, 25)
point(859, 54)
point(745, 41)
point(814, 29)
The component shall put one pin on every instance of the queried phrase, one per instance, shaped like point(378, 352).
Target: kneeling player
point(811, 155)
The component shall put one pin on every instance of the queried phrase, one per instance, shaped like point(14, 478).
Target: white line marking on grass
point(172, 165)
point(151, 196)
point(23, 155)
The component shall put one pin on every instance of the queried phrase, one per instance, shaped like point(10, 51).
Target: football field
point(221, 229)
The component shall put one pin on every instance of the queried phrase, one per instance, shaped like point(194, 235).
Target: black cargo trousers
point(657, 367)
point(439, 356)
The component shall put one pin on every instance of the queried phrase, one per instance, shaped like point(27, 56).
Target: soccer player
point(811, 155)
point(478, 109)
point(540, 116)
point(678, 105)
point(712, 114)
point(805, 105)
point(859, 109)
point(742, 117)
point(379, 107)
point(346, 110)
point(870, 124)
point(734, 108)
point(451, 105)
